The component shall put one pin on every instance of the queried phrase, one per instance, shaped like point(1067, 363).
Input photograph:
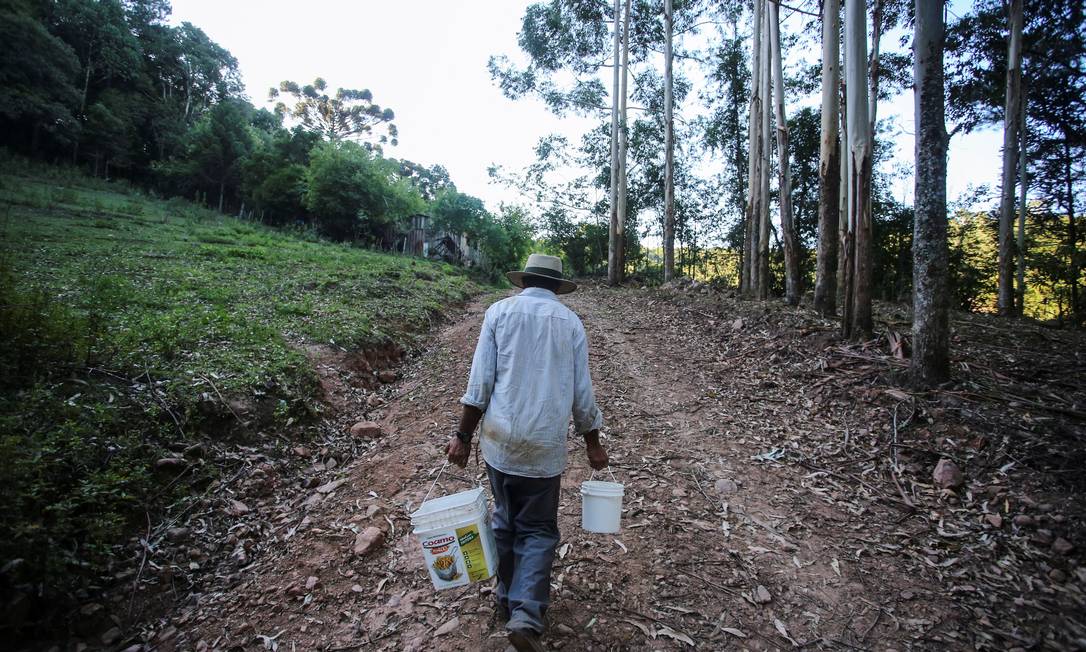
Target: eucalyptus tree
point(749, 280)
point(669, 145)
point(348, 114)
point(930, 362)
point(829, 165)
point(1011, 123)
point(788, 228)
point(856, 315)
point(762, 280)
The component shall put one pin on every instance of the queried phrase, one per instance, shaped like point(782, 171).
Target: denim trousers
point(525, 524)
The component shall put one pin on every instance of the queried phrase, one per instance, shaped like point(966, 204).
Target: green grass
point(120, 313)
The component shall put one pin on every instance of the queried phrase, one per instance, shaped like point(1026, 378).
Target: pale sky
point(426, 60)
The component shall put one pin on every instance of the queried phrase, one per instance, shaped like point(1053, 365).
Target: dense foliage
point(109, 86)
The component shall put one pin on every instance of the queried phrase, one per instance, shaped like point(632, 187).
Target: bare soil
point(779, 494)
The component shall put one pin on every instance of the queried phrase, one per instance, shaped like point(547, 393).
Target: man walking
point(529, 375)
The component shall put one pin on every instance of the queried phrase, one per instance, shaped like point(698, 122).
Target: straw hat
point(543, 266)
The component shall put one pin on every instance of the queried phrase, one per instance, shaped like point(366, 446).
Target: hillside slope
point(146, 343)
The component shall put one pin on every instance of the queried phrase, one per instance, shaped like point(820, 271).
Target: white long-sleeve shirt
point(529, 375)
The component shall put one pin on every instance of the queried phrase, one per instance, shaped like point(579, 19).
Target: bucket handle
point(608, 470)
point(438, 477)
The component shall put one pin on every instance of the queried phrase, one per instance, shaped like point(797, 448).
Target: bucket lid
point(441, 504)
point(601, 488)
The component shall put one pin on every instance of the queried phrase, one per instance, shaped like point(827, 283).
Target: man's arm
point(458, 450)
point(587, 418)
point(475, 400)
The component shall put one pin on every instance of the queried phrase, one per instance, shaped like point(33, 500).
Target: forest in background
point(568, 53)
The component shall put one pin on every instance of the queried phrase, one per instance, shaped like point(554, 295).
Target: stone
point(1057, 575)
point(368, 540)
point(1024, 520)
point(170, 464)
point(387, 376)
point(761, 595)
point(375, 401)
point(1042, 537)
point(565, 629)
point(330, 487)
point(726, 486)
point(947, 475)
point(1062, 546)
point(178, 534)
point(357, 588)
point(236, 508)
point(302, 452)
point(111, 636)
point(314, 500)
point(311, 582)
point(448, 627)
point(368, 429)
point(995, 520)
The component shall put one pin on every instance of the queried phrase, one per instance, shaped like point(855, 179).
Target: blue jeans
point(525, 524)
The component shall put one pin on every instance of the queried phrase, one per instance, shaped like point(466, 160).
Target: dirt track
point(797, 555)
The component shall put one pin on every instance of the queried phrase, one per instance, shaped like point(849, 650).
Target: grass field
point(125, 317)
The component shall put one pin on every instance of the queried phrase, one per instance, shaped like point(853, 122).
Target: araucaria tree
point(930, 362)
point(347, 115)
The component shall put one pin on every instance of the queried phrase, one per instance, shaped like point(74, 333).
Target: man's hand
point(597, 456)
point(457, 451)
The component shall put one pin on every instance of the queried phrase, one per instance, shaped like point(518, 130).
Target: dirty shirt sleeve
point(483, 367)
point(586, 415)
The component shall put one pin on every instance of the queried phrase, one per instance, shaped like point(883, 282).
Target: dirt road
point(732, 537)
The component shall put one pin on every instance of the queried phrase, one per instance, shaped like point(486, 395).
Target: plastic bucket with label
point(457, 542)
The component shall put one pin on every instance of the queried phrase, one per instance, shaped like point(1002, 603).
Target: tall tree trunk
point(612, 231)
point(829, 164)
point(754, 156)
point(763, 215)
point(1005, 300)
point(623, 144)
point(844, 248)
point(873, 64)
point(222, 189)
point(1072, 231)
point(669, 147)
point(788, 229)
point(1020, 286)
point(857, 319)
point(930, 364)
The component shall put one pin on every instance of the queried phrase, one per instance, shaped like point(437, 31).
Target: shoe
point(525, 640)
point(502, 611)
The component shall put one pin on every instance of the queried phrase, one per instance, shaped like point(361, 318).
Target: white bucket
point(457, 542)
point(601, 506)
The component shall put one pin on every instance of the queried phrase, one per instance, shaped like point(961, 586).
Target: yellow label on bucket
point(471, 547)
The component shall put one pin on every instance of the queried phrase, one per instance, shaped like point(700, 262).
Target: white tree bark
point(829, 164)
point(930, 363)
point(788, 229)
point(762, 290)
point(754, 157)
point(669, 147)
point(857, 315)
point(612, 231)
point(623, 144)
point(1011, 117)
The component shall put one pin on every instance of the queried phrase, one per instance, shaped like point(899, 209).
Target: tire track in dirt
point(679, 416)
